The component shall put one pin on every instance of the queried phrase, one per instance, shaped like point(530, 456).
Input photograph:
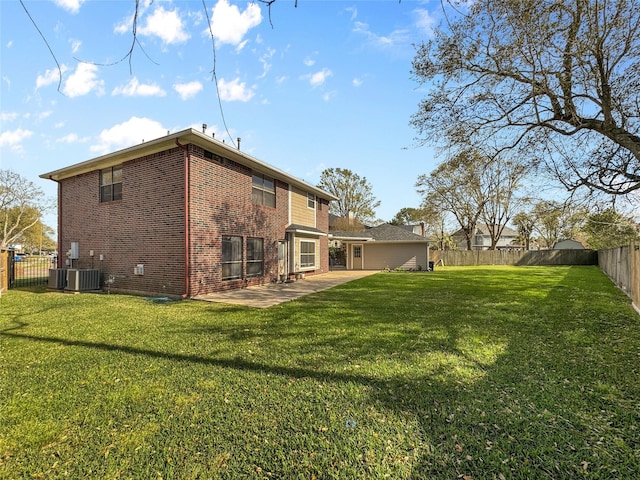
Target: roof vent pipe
point(213, 135)
point(204, 128)
point(238, 143)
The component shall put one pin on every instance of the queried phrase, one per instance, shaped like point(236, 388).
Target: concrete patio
point(264, 296)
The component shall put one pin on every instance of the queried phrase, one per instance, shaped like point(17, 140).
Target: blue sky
point(329, 85)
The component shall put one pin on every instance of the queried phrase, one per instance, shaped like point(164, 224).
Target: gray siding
point(408, 256)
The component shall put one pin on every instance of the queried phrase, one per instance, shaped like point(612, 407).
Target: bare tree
point(22, 204)
point(558, 78)
point(454, 186)
point(355, 194)
point(473, 188)
point(502, 179)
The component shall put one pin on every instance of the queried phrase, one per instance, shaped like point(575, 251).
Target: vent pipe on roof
point(238, 143)
point(204, 128)
point(213, 135)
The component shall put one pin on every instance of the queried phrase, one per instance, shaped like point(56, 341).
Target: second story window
point(111, 184)
point(264, 190)
point(311, 200)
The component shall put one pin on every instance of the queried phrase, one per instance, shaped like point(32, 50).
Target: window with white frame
point(307, 253)
point(311, 200)
point(231, 258)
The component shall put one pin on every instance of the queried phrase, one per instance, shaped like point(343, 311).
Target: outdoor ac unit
point(57, 278)
point(82, 280)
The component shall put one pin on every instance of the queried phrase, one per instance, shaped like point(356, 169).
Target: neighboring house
point(481, 240)
point(186, 215)
point(377, 248)
point(568, 244)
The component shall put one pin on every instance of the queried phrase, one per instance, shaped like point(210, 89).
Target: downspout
point(59, 259)
point(187, 225)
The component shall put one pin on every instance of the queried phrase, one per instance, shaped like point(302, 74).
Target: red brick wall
point(221, 205)
point(145, 227)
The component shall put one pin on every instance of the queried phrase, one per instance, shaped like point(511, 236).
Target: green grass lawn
point(483, 373)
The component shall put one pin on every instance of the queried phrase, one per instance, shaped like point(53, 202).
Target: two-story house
point(481, 239)
point(186, 214)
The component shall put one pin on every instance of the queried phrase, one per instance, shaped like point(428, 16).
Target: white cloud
point(14, 138)
point(136, 89)
point(83, 81)
point(357, 82)
point(265, 60)
point(71, 6)
point(328, 96)
point(75, 45)
point(318, 78)
point(72, 138)
point(235, 90)
point(424, 21)
point(127, 134)
point(187, 90)
point(50, 76)
point(165, 24)
point(10, 44)
point(8, 116)
point(229, 25)
point(309, 62)
point(382, 41)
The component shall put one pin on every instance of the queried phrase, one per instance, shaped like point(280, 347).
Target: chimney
point(422, 229)
point(351, 217)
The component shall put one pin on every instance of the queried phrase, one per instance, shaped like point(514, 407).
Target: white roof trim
point(169, 141)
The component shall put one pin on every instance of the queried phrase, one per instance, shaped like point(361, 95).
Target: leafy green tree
point(609, 229)
point(22, 205)
point(408, 216)
point(556, 81)
point(354, 193)
point(556, 221)
point(525, 223)
point(39, 238)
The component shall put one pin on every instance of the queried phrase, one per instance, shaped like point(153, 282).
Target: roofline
point(186, 136)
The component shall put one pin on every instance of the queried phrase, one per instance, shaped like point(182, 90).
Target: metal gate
point(28, 270)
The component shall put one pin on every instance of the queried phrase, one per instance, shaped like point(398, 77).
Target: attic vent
point(212, 156)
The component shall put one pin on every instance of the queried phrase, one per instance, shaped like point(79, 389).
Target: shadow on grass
point(500, 386)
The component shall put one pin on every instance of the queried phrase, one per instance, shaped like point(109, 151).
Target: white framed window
point(307, 254)
point(311, 201)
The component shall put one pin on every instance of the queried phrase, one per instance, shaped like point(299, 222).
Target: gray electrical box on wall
point(75, 251)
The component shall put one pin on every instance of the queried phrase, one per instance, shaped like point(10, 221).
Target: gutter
point(59, 259)
point(187, 223)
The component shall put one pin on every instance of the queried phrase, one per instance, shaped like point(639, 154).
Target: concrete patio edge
point(264, 296)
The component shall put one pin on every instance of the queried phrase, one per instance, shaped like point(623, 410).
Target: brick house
point(185, 214)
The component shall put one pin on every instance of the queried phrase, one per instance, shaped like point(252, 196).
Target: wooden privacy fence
point(622, 265)
point(460, 258)
point(4, 270)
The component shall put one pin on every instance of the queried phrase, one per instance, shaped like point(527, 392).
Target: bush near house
point(476, 372)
